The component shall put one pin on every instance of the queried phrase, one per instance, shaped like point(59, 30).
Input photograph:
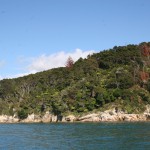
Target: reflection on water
point(75, 136)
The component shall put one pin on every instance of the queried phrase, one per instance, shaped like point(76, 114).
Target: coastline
point(106, 116)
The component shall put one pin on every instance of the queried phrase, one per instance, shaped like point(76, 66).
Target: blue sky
point(36, 35)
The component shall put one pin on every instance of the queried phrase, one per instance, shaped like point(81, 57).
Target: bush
point(22, 114)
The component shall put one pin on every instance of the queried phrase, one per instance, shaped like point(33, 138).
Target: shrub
point(22, 114)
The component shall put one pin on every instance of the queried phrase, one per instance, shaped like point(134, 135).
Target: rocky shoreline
point(106, 116)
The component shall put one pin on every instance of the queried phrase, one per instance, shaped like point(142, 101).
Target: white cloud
point(45, 62)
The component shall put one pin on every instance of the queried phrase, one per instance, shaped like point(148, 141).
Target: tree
point(145, 50)
point(69, 62)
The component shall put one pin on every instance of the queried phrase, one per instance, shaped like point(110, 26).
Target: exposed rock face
point(112, 116)
point(8, 119)
point(147, 111)
point(90, 118)
point(47, 117)
point(134, 117)
point(106, 116)
point(148, 117)
point(32, 118)
point(70, 118)
point(53, 118)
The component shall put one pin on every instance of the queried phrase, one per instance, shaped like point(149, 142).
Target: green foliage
point(101, 79)
point(22, 114)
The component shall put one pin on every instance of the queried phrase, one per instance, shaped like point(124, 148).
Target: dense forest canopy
point(118, 76)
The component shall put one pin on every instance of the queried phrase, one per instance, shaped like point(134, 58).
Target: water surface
point(76, 136)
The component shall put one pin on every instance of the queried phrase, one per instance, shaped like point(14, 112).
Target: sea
point(75, 136)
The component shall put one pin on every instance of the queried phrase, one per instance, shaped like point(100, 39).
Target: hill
point(116, 77)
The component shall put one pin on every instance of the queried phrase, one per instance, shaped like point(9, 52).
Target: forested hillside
point(118, 77)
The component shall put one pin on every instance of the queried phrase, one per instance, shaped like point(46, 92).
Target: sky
point(37, 35)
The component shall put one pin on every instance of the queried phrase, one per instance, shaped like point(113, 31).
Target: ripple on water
point(75, 136)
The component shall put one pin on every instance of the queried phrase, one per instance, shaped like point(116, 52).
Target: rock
point(111, 115)
point(59, 118)
point(8, 119)
point(147, 110)
point(53, 118)
point(47, 117)
point(3, 118)
point(142, 117)
point(134, 117)
point(147, 116)
point(37, 118)
point(130, 117)
point(115, 111)
point(70, 118)
point(32, 118)
point(107, 117)
point(89, 118)
point(63, 119)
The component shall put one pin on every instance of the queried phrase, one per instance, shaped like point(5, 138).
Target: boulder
point(8, 119)
point(70, 118)
point(47, 117)
point(134, 117)
point(3, 118)
point(106, 116)
point(147, 116)
point(32, 118)
point(53, 118)
point(63, 119)
point(89, 118)
point(147, 110)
